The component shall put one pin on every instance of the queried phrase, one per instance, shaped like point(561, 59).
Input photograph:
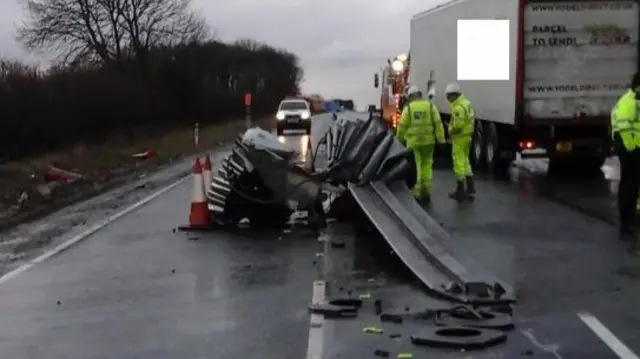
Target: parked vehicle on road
point(572, 60)
point(392, 82)
point(295, 114)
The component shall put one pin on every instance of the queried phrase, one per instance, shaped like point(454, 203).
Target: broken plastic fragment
point(372, 330)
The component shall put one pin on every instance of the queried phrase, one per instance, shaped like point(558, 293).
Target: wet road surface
point(535, 231)
point(593, 195)
point(137, 289)
point(366, 267)
point(550, 235)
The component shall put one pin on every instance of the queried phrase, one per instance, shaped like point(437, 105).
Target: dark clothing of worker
point(625, 126)
point(629, 187)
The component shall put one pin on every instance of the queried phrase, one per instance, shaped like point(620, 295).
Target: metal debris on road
point(372, 330)
point(349, 302)
point(333, 311)
point(465, 316)
point(458, 337)
point(381, 353)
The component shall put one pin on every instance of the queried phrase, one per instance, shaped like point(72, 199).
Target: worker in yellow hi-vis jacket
point(461, 127)
point(420, 129)
point(625, 130)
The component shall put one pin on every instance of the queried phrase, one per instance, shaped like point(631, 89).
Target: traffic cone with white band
point(199, 213)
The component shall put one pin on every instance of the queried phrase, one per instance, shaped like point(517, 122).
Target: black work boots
point(459, 193)
point(463, 192)
point(471, 187)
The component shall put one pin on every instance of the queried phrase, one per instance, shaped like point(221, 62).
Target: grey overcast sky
point(341, 43)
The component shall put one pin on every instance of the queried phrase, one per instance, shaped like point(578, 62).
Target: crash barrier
point(456, 327)
point(377, 169)
point(414, 237)
point(365, 151)
point(198, 212)
point(259, 180)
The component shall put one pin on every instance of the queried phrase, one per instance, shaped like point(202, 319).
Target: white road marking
point(316, 322)
point(615, 344)
point(91, 230)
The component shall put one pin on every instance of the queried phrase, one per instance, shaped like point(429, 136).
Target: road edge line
point(315, 346)
point(610, 339)
point(90, 231)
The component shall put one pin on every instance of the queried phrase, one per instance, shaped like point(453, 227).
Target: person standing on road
point(461, 127)
point(420, 129)
point(625, 129)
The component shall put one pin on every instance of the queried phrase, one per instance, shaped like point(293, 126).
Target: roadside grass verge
point(25, 195)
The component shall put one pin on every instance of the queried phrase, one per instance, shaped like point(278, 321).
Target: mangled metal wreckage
point(261, 181)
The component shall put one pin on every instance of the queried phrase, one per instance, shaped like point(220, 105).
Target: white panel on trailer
point(579, 56)
point(434, 50)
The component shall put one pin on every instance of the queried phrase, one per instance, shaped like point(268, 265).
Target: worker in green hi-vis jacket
point(420, 128)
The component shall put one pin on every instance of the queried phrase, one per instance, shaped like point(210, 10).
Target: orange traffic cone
point(199, 213)
point(206, 172)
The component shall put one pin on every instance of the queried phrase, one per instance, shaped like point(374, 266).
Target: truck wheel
point(496, 165)
point(478, 153)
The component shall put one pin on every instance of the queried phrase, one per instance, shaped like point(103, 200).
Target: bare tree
point(109, 30)
point(249, 44)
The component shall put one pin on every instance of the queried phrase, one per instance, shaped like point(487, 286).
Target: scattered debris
point(349, 302)
point(145, 155)
point(381, 353)
point(392, 317)
point(23, 198)
point(53, 173)
point(378, 306)
point(337, 243)
point(333, 311)
point(458, 337)
point(372, 330)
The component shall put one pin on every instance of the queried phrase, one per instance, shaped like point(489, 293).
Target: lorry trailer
point(570, 62)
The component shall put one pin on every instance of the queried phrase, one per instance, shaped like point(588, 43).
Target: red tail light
point(526, 145)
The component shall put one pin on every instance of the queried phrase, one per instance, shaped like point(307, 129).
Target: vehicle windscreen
point(293, 106)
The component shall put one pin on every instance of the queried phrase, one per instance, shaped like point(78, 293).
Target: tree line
point(121, 65)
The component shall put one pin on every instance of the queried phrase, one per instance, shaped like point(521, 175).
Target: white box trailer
point(570, 61)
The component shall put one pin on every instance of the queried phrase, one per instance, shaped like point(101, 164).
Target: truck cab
point(391, 82)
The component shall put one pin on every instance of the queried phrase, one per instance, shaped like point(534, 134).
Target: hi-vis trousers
point(460, 148)
point(424, 169)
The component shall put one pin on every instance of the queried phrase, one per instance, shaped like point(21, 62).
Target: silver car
point(293, 114)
